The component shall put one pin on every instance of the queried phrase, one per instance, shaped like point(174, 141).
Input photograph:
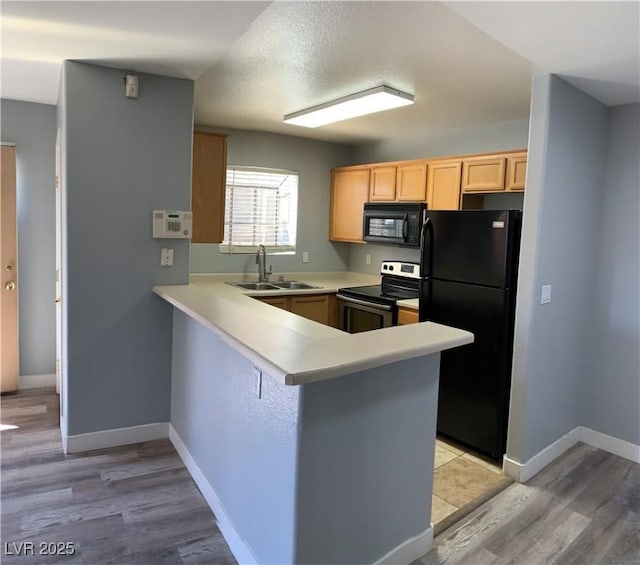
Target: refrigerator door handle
point(426, 267)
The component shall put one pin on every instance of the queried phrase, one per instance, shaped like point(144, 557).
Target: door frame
point(58, 299)
point(9, 337)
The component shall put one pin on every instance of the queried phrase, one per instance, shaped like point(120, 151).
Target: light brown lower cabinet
point(312, 307)
point(407, 316)
point(320, 308)
point(278, 301)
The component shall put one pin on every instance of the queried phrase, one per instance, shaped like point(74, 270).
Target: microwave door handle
point(405, 227)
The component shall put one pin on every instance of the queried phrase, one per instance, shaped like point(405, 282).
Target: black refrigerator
point(469, 264)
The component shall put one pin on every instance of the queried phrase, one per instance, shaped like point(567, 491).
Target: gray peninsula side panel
point(366, 453)
point(245, 445)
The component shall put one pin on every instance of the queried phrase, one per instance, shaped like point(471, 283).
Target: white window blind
point(261, 208)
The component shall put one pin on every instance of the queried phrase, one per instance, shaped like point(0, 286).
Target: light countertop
point(292, 349)
point(412, 303)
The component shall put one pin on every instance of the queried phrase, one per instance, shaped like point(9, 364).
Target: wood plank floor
point(583, 509)
point(135, 504)
point(138, 505)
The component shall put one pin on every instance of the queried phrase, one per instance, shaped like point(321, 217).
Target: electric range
point(365, 308)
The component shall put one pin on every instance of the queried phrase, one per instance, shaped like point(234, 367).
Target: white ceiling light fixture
point(366, 102)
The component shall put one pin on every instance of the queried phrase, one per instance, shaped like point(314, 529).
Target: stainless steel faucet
point(261, 260)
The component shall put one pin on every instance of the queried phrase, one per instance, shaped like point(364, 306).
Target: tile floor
point(462, 481)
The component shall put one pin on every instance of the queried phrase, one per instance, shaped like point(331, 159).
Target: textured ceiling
point(179, 39)
point(300, 54)
point(467, 63)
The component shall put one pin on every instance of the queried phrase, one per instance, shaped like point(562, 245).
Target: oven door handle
point(365, 303)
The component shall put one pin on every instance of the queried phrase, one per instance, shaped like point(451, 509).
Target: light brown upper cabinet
point(516, 171)
point(382, 184)
point(483, 174)
point(389, 183)
point(411, 182)
point(208, 186)
point(450, 183)
point(349, 192)
point(443, 185)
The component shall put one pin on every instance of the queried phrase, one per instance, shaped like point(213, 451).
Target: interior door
point(9, 365)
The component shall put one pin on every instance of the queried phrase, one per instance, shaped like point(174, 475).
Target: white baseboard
point(409, 550)
point(522, 472)
point(239, 548)
point(116, 437)
point(611, 444)
point(36, 381)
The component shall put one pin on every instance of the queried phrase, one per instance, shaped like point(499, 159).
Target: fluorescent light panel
point(366, 102)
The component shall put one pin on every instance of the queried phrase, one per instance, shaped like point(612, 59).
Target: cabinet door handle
point(10, 286)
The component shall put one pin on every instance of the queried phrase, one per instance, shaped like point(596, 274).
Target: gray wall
point(358, 256)
point(496, 137)
point(32, 127)
point(245, 446)
point(366, 462)
point(612, 404)
point(552, 342)
point(123, 158)
point(313, 161)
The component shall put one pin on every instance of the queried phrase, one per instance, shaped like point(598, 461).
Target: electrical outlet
point(367, 258)
point(545, 294)
point(166, 257)
point(305, 256)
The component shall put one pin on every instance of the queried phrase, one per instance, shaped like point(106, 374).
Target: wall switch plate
point(545, 294)
point(257, 381)
point(305, 256)
point(166, 257)
point(367, 258)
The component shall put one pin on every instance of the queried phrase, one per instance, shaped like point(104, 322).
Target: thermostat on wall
point(174, 224)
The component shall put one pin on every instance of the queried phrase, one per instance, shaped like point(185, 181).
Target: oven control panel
point(400, 269)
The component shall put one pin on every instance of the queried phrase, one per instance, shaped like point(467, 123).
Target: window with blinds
point(261, 208)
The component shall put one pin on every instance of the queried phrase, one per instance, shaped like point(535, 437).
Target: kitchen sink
point(293, 285)
point(256, 286)
point(280, 285)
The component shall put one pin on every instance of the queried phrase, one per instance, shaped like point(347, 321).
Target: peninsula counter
point(310, 445)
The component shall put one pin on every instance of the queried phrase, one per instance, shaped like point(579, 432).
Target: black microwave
point(397, 223)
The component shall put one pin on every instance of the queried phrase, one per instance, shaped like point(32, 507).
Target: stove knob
point(384, 267)
point(391, 267)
